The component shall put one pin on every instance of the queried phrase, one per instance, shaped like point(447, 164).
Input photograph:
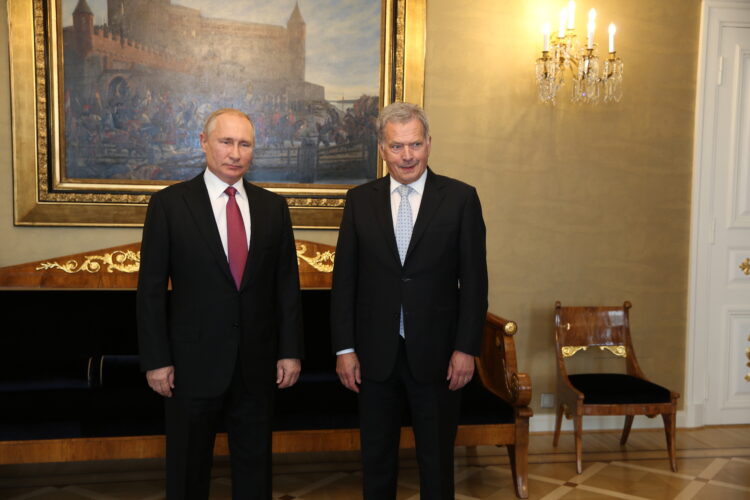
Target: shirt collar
point(417, 186)
point(216, 186)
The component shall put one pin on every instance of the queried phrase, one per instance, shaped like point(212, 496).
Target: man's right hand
point(161, 380)
point(347, 368)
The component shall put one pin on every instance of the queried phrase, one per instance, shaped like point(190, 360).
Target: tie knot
point(404, 190)
point(231, 191)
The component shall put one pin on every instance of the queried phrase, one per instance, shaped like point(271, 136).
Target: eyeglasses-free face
point(405, 150)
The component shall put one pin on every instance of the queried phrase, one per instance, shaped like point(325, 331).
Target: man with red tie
point(230, 330)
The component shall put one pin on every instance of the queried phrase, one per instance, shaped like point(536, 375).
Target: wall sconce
point(591, 81)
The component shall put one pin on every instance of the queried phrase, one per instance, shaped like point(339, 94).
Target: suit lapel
point(431, 200)
point(383, 213)
point(199, 205)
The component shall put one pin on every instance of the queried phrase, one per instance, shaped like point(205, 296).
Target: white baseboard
point(546, 422)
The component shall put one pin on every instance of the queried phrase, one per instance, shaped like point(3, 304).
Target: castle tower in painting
point(83, 26)
point(296, 31)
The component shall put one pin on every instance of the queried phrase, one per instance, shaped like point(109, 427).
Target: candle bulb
point(571, 15)
point(545, 33)
point(563, 20)
point(591, 28)
point(612, 30)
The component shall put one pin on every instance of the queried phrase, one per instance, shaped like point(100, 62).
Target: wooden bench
point(71, 390)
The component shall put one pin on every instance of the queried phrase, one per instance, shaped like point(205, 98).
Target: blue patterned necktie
point(403, 222)
point(403, 235)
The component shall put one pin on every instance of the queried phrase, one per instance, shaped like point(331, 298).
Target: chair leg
point(578, 424)
point(558, 424)
point(626, 429)
point(670, 426)
point(519, 458)
point(519, 470)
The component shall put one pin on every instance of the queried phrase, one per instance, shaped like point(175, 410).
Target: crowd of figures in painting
point(145, 135)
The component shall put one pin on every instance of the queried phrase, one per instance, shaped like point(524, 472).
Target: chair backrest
point(606, 327)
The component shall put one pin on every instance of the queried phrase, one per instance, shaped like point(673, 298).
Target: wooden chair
point(630, 394)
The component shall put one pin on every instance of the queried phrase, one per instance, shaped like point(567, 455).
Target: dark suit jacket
point(442, 284)
point(204, 325)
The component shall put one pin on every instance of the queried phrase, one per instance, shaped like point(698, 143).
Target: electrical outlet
point(548, 400)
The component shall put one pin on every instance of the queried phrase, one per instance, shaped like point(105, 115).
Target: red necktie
point(236, 238)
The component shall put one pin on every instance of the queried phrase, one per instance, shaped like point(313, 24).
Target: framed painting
point(109, 98)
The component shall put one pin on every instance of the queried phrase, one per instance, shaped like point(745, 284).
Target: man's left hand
point(287, 372)
point(460, 370)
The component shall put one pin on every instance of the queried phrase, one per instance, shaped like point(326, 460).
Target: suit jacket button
point(236, 325)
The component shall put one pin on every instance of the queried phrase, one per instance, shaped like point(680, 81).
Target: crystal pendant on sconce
point(585, 88)
point(546, 79)
point(612, 79)
point(565, 51)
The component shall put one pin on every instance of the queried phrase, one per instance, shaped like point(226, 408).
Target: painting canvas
point(109, 97)
point(141, 76)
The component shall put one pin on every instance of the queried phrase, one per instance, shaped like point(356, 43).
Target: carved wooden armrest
point(496, 366)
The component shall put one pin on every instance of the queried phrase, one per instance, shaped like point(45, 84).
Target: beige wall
point(583, 204)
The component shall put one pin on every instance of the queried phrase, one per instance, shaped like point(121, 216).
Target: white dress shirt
point(219, 199)
point(415, 199)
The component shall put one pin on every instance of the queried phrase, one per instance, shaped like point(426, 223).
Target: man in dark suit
point(408, 305)
point(230, 330)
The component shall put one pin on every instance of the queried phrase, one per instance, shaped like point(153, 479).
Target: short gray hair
point(210, 121)
point(401, 112)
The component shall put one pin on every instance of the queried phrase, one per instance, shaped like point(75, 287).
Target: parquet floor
point(714, 464)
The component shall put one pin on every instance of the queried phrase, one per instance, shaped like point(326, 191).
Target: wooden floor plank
point(714, 462)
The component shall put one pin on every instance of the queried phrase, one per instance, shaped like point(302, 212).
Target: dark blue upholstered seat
point(62, 385)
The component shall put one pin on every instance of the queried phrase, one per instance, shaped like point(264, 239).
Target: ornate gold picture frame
point(42, 197)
